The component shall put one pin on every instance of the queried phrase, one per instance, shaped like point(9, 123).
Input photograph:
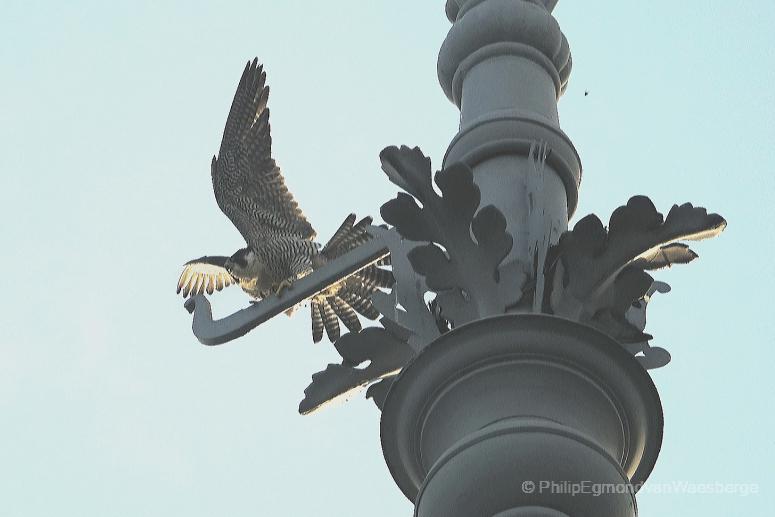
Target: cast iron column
point(505, 416)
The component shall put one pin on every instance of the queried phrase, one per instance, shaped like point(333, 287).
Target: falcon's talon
point(282, 286)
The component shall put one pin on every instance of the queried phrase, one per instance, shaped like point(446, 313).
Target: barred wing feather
point(204, 275)
point(248, 184)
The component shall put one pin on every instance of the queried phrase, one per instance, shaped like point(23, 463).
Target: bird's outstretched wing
point(248, 185)
point(204, 275)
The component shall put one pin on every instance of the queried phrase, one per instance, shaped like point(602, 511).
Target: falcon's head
point(240, 265)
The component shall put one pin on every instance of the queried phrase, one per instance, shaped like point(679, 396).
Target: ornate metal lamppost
point(511, 361)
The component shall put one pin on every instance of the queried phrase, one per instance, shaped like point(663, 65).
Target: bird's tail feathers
point(346, 304)
point(352, 296)
point(324, 317)
point(371, 278)
point(349, 236)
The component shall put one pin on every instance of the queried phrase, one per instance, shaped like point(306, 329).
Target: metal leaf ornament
point(378, 391)
point(404, 304)
point(465, 272)
point(384, 349)
point(649, 357)
point(595, 275)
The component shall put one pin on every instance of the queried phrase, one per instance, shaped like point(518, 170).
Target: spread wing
point(248, 185)
point(204, 275)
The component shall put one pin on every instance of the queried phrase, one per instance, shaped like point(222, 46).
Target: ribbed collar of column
point(456, 8)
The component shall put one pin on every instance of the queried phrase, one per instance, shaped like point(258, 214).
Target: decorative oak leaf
point(408, 168)
point(594, 275)
point(666, 256)
point(630, 284)
point(465, 272)
point(405, 305)
point(385, 351)
point(649, 357)
point(379, 390)
point(653, 357)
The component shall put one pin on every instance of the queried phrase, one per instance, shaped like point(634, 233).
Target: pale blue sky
point(109, 114)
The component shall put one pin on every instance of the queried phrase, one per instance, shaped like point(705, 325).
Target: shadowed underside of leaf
point(385, 353)
point(594, 275)
point(666, 256)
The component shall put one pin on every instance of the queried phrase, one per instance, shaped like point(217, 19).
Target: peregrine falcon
point(250, 189)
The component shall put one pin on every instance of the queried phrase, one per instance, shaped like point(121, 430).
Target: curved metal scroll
point(216, 332)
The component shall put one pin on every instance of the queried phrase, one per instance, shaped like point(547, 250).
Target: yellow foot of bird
point(285, 284)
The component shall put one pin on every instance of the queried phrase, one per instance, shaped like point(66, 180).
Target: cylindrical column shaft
point(504, 64)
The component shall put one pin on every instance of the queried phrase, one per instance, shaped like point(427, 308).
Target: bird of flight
point(250, 189)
